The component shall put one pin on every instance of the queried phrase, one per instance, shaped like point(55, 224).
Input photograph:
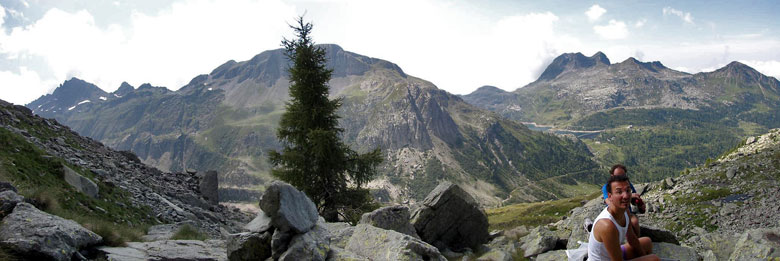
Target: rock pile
point(289, 228)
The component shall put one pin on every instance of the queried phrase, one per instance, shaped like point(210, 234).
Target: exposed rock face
point(289, 208)
point(392, 218)
point(80, 183)
point(8, 200)
point(312, 245)
point(672, 251)
point(209, 187)
point(37, 234)
point(556, 255)
point(658, 234)
point(450, 218)
point(379, 244)
point(340, 233)
point(249, 246)
point(757, 244)
point(167, 250)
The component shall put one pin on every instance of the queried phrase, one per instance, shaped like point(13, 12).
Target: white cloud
point(23, 87)
point(769, 68)
point(2, 15)
point(595, 12)
point(640, 23)
point(25, 3)
point(685, 16)
point(166, 49)
point(612, 31)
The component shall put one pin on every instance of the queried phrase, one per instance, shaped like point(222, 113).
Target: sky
point(457, 45)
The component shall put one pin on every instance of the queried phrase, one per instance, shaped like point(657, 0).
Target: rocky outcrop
point(80, 183)
point(261, 223)
point(379, 244)
point(312, 245)
point(757, 244)
point(538, 241)
point(164, 231)
point(167, 250)
point(289, 208)
point(672, 251)
point(249, 246)
point(450, 218)
point(37, 234)
point(393, 218)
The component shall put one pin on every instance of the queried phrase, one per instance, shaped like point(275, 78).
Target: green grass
point(533, 214)
point(39, 177)
point(187, 232)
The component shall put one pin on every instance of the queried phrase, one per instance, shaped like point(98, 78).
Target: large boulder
point(249, 246)
point(380, 244)
point(538, 241)
point(167, 250)
point(675, 252)
point(450, 218)
point(340, 254)
point(393, 218)
point(288, 208)
point(8, 200)
point(758, 244)
point(717, 246)
point(80, 183)
point(312, 245)
point(37, 234)
point(209, 187)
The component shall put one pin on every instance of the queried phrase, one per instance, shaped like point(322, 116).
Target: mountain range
point(226, 120)
point(656, 120)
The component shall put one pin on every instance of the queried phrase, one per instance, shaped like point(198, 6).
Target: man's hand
point(640, 204)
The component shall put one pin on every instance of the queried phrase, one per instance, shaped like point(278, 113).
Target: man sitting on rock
point(619, 169)
point(611, 228)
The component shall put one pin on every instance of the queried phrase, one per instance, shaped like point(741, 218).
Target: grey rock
point(7, 186)
point(380, 244)
point(658, 234)
point(674, 252)
point(496, 255)
point(552, 256)
point(288, 208)
point(451, 218)
point(750, 140)
point(393, 218)
point(167, 250)
point(80, 183)
point(757, 244)
point(572, 228)
point(35, 233)
point(340, 254)
point(669, 182)
point(340, 233)
point(718, 245)
point(249, 246)
point(312, 245)
point(209, 187)
point(261, 223)
point(8, 200)
point(731, 173)
point(279, 242)
point(538, 241)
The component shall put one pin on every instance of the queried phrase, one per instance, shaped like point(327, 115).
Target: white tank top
point(596, 249)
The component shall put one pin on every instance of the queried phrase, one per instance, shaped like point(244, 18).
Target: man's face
point(620, 196)
point(618, 171)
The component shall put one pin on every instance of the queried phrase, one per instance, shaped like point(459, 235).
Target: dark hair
point(615, 178)
point(617, 166)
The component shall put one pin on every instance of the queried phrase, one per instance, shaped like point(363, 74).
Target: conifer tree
point(313, 157)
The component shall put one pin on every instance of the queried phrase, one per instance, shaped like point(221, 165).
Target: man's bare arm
point(633, 240)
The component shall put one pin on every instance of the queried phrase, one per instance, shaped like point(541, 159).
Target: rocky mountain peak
point(69, 94)
point(600, 57)
point(633, 64)
point(489, 89)
point(124, 88)
point(572, 61)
